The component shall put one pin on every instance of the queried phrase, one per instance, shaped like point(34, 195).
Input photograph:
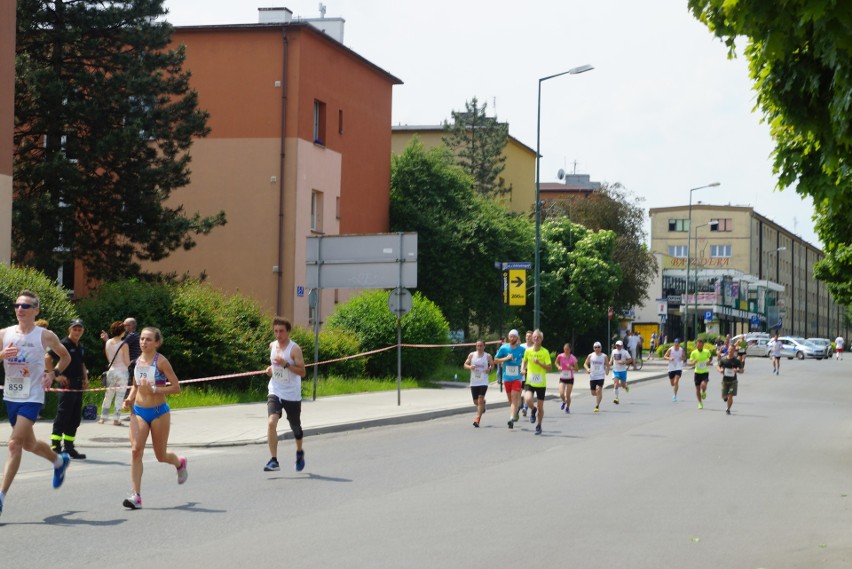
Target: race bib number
point(278, 374)
point(566, 374)
point(730, 372)
point(479, 376)
point(145, 375)
point(535, 379)
point(18, 383)
point(597, 366)
point(512, 371)
point(701, 365)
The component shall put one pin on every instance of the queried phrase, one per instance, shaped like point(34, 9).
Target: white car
point(799, 348)
point(824, 343)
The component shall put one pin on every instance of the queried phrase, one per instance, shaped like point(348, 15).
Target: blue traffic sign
point(507, 266)
point(755, 320)
point(708, 315)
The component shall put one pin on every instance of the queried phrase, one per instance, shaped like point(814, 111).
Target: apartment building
point(745, 272)
point(7, 120)
point(300, 145)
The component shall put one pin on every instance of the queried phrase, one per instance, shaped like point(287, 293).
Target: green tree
point(54, 305)
point(615, 208)
point(104, 119)
point(800, 59)
point(460, 235)
point(579, 278)
point(477, 141)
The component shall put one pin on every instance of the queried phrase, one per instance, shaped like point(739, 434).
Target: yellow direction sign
point(517, 287)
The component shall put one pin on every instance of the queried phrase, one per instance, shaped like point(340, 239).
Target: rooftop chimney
point(274, 15)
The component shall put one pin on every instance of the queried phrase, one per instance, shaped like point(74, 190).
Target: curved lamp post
point(688, 256)
point(537, 268)
point(713, 223)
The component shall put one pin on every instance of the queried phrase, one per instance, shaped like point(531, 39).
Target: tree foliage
point(104, 119)
point(579, 278)
point(800, 58)
point(614, 208)
point(460, 235)
point(477, 141)
point(54, 305)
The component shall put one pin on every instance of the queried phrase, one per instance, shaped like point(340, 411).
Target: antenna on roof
point(322, 10)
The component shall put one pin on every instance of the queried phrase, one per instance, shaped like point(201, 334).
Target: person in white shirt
point(618, 362)
point(480, 363)
point(838, 348)
point(597, 366)
point(775, 354)
point(675, 357)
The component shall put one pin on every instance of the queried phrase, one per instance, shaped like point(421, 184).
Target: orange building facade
point(300, 145)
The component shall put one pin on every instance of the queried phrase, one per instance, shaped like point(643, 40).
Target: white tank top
point(597, 366)
point(479, 373)
point(24, 372)
point(284, 384)
point(112, 348)
point(676, 362)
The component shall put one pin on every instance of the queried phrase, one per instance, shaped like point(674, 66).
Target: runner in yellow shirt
point(536, 364)
point(701, 358)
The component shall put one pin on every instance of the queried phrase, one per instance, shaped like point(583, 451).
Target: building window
point(718, 251)
point(340, 121)
point(679, 251)
point(337, 207)
point(319, 122)
point(316, 211)
point(678, 225)
point(722, 225)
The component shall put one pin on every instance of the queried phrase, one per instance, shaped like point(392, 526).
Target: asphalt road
point(646, 484)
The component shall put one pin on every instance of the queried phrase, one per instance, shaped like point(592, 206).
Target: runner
point(480, 365)
point(528, 344)
point(674, 355)
point(597, 365)
point(567, 364)
point(839, 342)
point(511, 356)
point(775, 354)
point(286, 370)
point(536, 363)
point(729, 365)
point(701, 358)
point(619, 361)
point(23, 349)
point(154, 378)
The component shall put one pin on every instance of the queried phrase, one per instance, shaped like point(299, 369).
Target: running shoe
point(271, 466)
point(59, 472)
point(1, 505)
point(476, 423)
point(727, 411)
point(181, 471)
point(567, 410)
point(133, 502)
point(563, 406)
point(615, 400)
point(538, 429)
point(703, 395)
point(674, 397)
point(300, 460)
point(511, 424)
point(597, 410)
point(524, 410)
point(700, 405)
point(532, 415)
point(626, 389)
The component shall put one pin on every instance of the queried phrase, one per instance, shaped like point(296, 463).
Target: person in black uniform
point(70, 407)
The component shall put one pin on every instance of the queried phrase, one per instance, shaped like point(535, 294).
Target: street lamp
point(537, 268)
point(689, 254)
point(713, 223)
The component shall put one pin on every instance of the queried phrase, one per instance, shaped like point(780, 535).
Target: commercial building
point(746, 273)
point(300, 145)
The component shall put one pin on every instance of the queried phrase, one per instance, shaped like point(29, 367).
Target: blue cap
point(677, 340)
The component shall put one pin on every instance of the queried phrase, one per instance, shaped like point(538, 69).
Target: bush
point(367, 317)
point(333, 343)
point(205, 332)
point(53, 299)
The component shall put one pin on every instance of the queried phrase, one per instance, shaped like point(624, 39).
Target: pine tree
point(477, 141)
point(104, 119)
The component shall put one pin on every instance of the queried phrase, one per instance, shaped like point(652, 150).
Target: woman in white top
point(480, 365)
point(118, 356)
point(674, 355)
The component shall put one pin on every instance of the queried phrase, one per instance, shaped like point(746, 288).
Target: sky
point(663, 111)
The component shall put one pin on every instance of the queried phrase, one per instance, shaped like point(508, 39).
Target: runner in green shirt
point(701, 358)
point(536, 364)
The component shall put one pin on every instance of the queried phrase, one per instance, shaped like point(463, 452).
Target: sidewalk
point(244, 424)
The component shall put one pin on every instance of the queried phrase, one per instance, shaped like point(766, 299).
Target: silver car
point(824, 343)
point(799, 348)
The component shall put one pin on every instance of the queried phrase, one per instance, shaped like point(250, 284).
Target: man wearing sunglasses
point(22, 349)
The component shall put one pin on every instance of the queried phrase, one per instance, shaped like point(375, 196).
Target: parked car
point(822, 343)
point(757, 347)
point(799, 348)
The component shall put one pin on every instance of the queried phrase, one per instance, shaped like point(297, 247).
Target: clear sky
point(663, 111)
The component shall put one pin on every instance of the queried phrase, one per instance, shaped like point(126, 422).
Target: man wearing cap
point(74, 377)
point(597, 365)
point(619, 361)
point(701, 358)
point(511, 355)
point(674, 355)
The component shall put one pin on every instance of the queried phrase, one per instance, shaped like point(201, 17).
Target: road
point(646, 484)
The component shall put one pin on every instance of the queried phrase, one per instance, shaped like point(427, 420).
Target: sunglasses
point(23, 305)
